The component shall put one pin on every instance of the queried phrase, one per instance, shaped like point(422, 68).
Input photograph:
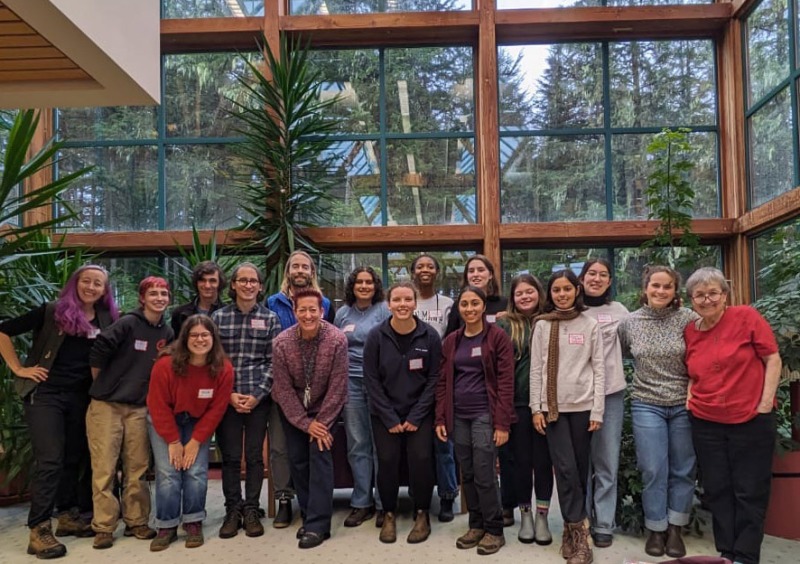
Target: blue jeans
point(666, 458)
point(360, 446)
point(179, 491)
point(447, 487)
point(601, 501)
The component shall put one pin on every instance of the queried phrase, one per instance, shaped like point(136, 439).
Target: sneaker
point(508, 517)
point(470, 539)
point(43, 544)
point(283, 518)
point(70, 523)
point(231, 524)
point(252, 523)
point(446, 510)
point(141, 532)
point(164, 538)
point(103, 541)
point(358, 515)
point(602, 540)
point(422, 528)
point(312, 540)
point(526, 532)
point(490, 543)
point(194, 534)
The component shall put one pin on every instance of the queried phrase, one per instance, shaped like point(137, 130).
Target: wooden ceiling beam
point(208, 34)
point(776, 211)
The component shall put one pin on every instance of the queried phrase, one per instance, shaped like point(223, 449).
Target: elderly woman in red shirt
point(734, 368)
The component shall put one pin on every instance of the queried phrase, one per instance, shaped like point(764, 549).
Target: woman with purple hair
point(54, 385)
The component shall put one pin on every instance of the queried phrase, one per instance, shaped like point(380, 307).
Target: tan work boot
point(470, 539)
point(422, 528)
point(70, 523)
point(103, 541)
point(566, 542)
point(43, 544)
point(490, 543)
point(388, 529)
point(581, 552)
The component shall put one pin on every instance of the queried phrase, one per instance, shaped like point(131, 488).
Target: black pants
point(533, 469)
point(508, 475)
point(62, 474)
point(736, 465)
point(476, 455)
point(569, 440)
point(232, 431)
point(312, 475)
point(419, 454)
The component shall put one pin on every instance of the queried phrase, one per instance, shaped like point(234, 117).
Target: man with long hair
point(207, 280)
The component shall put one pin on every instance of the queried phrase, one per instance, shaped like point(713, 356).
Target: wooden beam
point(148, 242)
point(629, 22)
point(776, 211)
point(44, 132)
point(742, 6)
point(210, 34)
point(730, 77)
point(736, 256)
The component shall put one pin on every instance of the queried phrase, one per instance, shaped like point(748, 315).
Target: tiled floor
point(351, 546)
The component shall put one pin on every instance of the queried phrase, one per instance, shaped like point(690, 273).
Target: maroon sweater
point(328, 382)
point(497, 354)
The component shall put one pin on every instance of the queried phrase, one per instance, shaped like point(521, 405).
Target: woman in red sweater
point(189, 390)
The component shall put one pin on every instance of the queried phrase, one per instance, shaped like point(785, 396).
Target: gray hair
point(707, 275)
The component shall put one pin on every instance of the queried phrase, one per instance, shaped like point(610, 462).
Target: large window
point(405, 152)
point(519, 4)
point(325, 7)
point(211, 8)
point(169, 167)
point(576, 119)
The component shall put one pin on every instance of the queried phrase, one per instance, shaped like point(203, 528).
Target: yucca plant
point(285, 125)
point(183, 289)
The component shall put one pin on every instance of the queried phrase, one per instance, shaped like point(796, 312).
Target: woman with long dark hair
point(54, 386)
point(190, 388)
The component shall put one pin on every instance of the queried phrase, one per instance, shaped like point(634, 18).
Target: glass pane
point(119, 123)
point(777, 256)
point(119, 194)
point(632, 165)
point(770, 136)
point(551, 86)
point(197, 91)
point(429, 89)
point(654, 2)
point(202, 187)
point(552, 179)
point(541, 263)
point(354, 76)
point(355, 193)
point(431, 181)
point(212, 8)
point(126, 273)
point(767, 48)
point(660, 83)
point(523, 4)
point(325, 7)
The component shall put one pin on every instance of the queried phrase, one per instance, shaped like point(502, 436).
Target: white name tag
point(349, 328)
point(576, 339)
point(604, 318)
point(415, 364)
point(491, 318)
point(93, 333)
point(476, 351)
point(205, 393)
point(258, 324)
point(140, 345)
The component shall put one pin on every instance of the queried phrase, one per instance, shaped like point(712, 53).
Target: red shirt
point(203, 397)
point(726, 367)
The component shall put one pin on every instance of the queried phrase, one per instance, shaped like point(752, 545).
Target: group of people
point(534, 380)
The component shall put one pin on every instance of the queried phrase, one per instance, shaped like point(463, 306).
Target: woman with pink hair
point(54, 385)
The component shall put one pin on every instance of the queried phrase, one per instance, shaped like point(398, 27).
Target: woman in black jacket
point(401, 368)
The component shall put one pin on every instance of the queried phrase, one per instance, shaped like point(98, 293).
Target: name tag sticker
point(205, 393)
point(349, 328)
point(415, 364)
point(576, 339)
point(604, 318)
point(93, 333)
point(258, 324)
point(491, 318)
point(140, 345)
point(476, 351)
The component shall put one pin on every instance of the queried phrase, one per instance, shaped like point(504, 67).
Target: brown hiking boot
point(252, 523)
point(194, 534)
point(470, 539)
point(43, 544)
point(389, 528)
point(566, 542)
point(141, 532)
point(581, 552)
point(70, 523)
point(422, 528)
point(231, 524)
point(103, 541)
point(490, 543)
point(164, 538)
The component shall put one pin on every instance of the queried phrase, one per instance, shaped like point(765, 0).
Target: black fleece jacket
point(402, 387)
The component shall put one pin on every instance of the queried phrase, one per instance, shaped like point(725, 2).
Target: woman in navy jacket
point(401, 368)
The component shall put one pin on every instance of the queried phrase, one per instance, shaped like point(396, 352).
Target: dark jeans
point(570, 443)
point(533, 468)
point(736, 465)
point(235, 428)
point(62, 475)
point(419, 453)
point(475, 452)
point(312, 475)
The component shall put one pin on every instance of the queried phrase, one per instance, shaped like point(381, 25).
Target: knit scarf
point(555, 317)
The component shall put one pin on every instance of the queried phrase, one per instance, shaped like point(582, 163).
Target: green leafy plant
point(285, 123)
point(182, 288)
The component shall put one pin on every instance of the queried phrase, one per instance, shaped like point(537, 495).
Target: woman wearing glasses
point(734, 368)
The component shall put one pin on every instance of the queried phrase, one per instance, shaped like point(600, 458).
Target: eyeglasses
point(197, 336)
point(248, 281)
point(712, 297)
point(597, 274)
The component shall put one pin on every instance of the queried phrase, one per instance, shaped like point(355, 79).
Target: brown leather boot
point(674, 546)
point(422, 528)
point(388, 529)
point(566, 542)
point(70, 523)
point(43, 544)
point(470, 539)
point(581, 552)
point(656, 543)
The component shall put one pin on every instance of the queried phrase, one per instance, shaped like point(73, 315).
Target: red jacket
point(498, 369)
point(203, 397)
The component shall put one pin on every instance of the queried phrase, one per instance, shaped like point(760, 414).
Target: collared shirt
point(283, 307)
point(247, 340)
